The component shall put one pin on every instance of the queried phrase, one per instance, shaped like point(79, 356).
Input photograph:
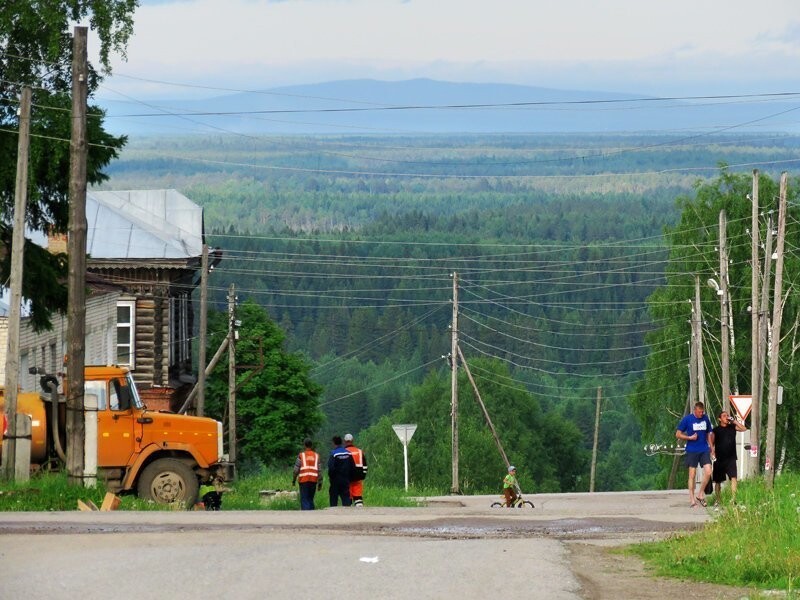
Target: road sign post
point(405, 432)
point(742, 406)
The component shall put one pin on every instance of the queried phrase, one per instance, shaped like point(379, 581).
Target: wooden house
point(147, 245)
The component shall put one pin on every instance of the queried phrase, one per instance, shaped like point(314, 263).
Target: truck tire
point(166, 481)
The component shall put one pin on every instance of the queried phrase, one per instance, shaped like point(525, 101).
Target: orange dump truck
point(161, 456)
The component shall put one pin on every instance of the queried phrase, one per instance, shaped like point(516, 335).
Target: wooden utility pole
point(214, 360)
point(454, 489)
point(596, 436)
point(763, 326)
point(692, 398)
point(755, 369)
point(76, 250)
point(15, 284)
point(201, 354)
point(774, 358)
point(232, 334)
point(483, 408)
point(698, 347)
point(723, 299)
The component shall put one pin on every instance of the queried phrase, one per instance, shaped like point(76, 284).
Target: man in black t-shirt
point(723, 449)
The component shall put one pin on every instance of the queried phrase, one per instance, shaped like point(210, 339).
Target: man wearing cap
point(307, 472)
point(510, 486)
point(340, 473)
point(359, 473)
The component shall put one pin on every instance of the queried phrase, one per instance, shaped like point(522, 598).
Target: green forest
point(574, 259)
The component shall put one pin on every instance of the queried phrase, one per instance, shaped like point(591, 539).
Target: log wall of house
point(144, 338)
point(152, 287)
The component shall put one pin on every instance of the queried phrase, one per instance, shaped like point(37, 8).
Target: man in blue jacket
point(340, 472)
point(695, 430)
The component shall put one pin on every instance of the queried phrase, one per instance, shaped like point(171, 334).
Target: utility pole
point(14, 309)
point(214, 360)
point(232, 335)
point(755, 370)
point(454, 489)
point(698, 346)
point(596, 436)
point(763, 325)
point(774, 358)
point(483, 408)
point(201, 354)
point(723, 299)
point(76, 250)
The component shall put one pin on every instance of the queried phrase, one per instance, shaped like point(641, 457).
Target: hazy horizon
point(196, 48)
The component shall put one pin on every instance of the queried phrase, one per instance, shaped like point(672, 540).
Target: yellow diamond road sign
point(742, 404)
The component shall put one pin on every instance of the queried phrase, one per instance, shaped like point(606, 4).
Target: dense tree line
point(662, 397)
point(554, 278)
point(321, 183)
point(368, 346)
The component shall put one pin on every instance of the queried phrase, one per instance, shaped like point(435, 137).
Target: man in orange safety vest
point(308, 473)
point(359, 473)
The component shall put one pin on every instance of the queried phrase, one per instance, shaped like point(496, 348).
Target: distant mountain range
point(425, 106)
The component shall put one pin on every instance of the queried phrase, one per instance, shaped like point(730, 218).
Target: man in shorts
point(723, 450)
point(695, 430)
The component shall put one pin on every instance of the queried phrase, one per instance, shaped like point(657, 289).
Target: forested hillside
point(351, 246)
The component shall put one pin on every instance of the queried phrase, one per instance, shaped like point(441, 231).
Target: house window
point(23, 370)
point(53, 359)
point(179, 330)
point(126, 329)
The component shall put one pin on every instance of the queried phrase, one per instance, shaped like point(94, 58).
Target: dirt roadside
point(605, 572)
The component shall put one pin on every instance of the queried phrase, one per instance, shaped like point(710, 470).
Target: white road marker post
point(405, 432)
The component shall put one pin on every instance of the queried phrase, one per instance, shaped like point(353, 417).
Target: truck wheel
point(167, 480)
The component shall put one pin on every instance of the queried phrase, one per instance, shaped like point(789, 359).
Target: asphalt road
point(455, 547)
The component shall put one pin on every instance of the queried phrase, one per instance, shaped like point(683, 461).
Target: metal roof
point(143, 224)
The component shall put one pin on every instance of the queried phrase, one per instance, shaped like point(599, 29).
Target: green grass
point(245, 494)
point(754, 543)
point(50, 492)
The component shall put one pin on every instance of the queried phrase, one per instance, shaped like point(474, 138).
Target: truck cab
point(162, 456)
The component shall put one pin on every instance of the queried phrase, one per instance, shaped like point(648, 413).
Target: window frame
point(131, 325)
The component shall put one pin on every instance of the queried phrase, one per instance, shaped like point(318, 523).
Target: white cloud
point(261, 43)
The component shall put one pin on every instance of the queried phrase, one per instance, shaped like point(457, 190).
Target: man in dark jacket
point(340, 473)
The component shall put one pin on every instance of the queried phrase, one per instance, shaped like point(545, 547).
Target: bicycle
point(519, 502)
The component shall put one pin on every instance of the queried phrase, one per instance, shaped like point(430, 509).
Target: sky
point(663, 48)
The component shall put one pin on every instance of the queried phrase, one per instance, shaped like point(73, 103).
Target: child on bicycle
point(510, 486)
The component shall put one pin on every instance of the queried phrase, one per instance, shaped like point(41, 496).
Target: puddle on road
point(558, 528)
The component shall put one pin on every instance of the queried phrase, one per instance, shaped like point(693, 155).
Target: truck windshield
point(137, 402)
